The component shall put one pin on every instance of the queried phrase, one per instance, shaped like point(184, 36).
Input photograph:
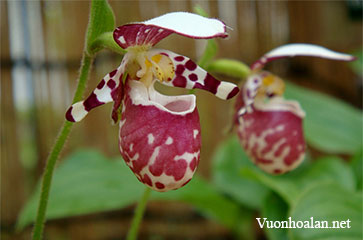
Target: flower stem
point(139, 213)
point(56, 150)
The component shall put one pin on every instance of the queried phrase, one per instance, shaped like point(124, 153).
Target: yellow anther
point(271, 86)
point(148, 63)
point(163, 67)
point(156, 58)
point(268, 80)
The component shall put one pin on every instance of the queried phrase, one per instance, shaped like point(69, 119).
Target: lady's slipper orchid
point(159, 135)
point(269, 127)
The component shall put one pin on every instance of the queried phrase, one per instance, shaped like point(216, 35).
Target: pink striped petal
point(190, 76)
point(152, 31)
point(159, 136)
point(272, 135)
point(110, 89)
point(300, 49)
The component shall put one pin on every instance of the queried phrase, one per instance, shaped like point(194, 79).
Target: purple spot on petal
point(69, 116)
point(179, 58)
point(233, 93)
point(179, 69)
point(180, 81)
point(111, 83)
point(91, 102)
point(248, 93)
point(255, 80)
point(101, 84)
point(210, 84)
point(270, 95)
point(193, 77)
point(113, 73)
point(190, 65)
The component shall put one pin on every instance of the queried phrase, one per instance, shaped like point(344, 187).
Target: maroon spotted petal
point(272, 135)
point(159, 137)
point(190, 76)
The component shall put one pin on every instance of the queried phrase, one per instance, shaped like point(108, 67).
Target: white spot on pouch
point(195, 133)
point(169, 141)
point(187, 156)
point(122, 39)
point(280, 127)
point(153, 156)
point(150, 138)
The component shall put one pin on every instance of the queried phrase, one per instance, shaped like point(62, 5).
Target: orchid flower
point(159, 135)
point(270, 128)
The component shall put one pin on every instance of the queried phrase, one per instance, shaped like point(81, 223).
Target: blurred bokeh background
point(41, 47)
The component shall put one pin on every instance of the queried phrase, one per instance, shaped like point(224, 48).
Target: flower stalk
point(138, 215)
point(56, 150)
point(101, 21)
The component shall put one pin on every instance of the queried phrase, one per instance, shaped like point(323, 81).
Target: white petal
point(300, 49)
point(190, 25)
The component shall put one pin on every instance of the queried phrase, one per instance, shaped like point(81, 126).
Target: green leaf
point(357, 165)
point(204, 196)
point(330, 124)
point(289, 186)
point(87, 182)
point(230, 67)
point(328, 202)
point(274, 209)
point(101, 20)
point(227, 162)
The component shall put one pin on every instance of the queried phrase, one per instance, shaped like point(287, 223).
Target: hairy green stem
point(138, 215)
point(56, 150)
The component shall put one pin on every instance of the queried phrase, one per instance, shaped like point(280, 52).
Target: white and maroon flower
point(270, 128)
point(159, 135)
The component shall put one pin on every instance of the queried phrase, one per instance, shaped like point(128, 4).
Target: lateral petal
point(152, 31)
point(108, 90)
point(190, 76)
point(300, 49)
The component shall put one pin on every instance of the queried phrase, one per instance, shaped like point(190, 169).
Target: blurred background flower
point(41, 48)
